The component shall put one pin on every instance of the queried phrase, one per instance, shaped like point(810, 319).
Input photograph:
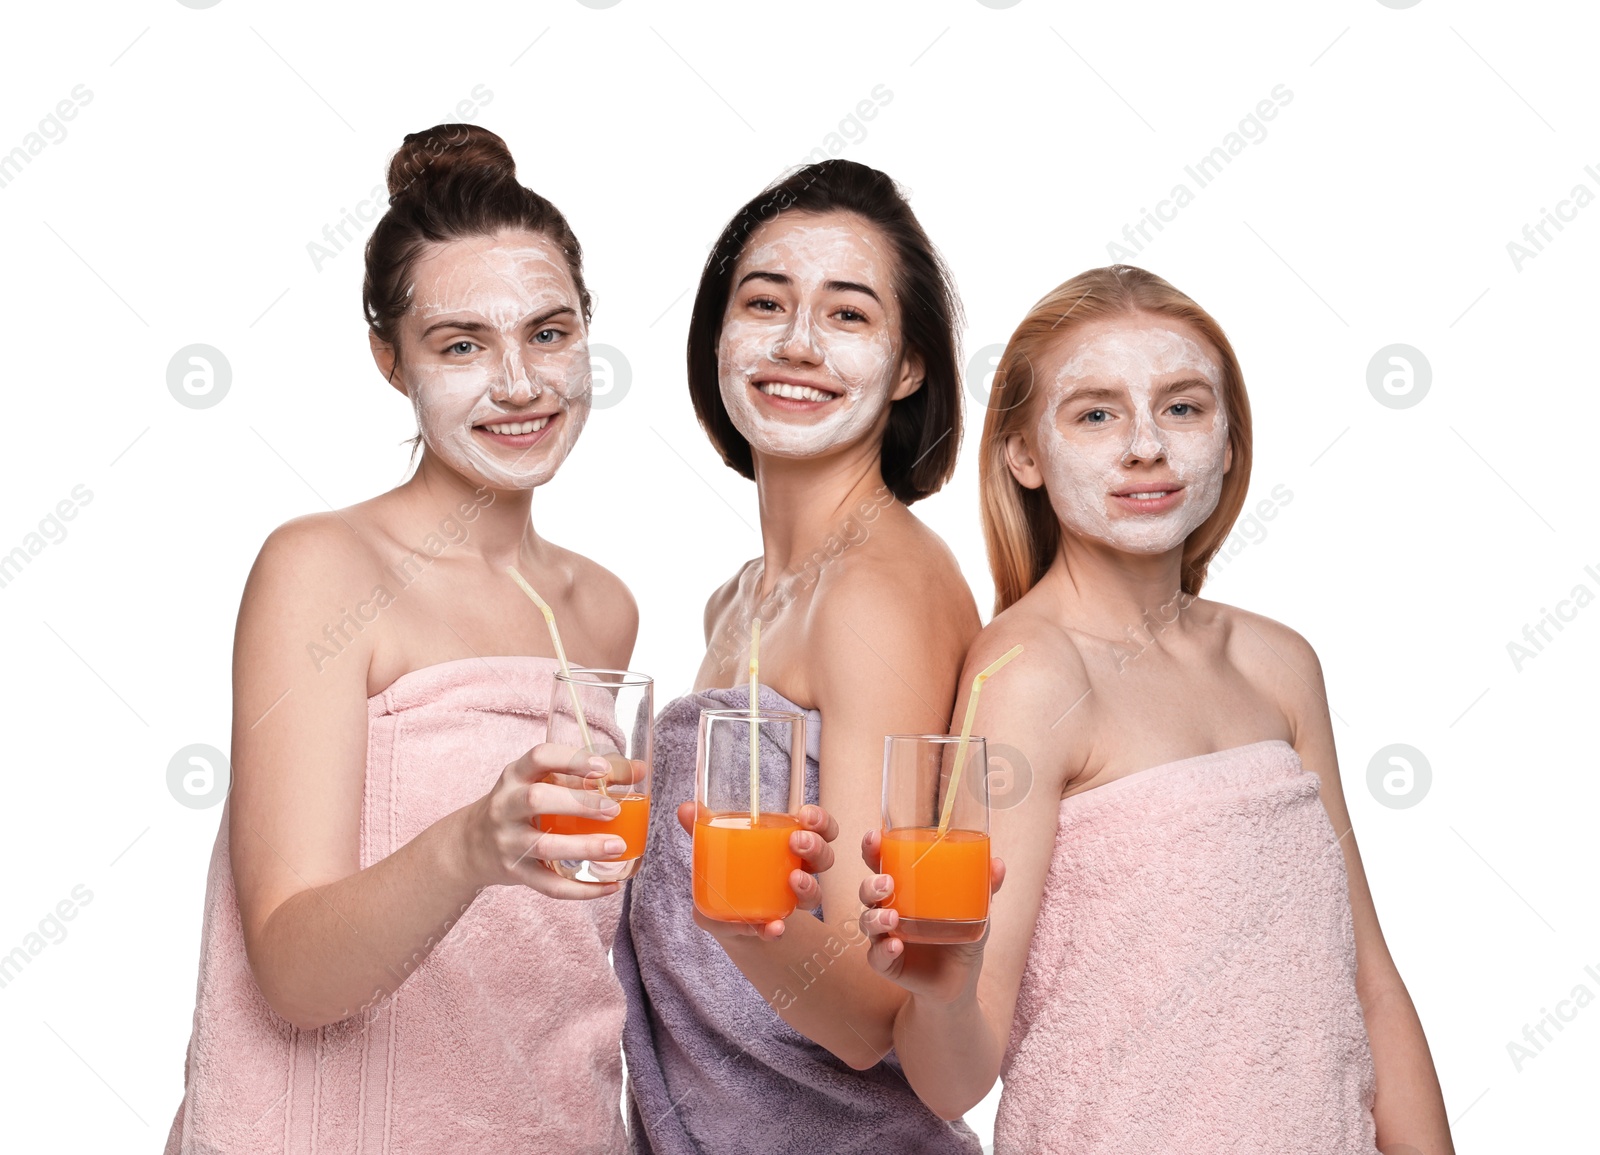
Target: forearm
point(1409, 1108)
point(950, 1052)
point(817, 978)
point(328, 952)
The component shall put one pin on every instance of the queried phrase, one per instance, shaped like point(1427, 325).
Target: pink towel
point(506, 1038)
point(1191, 982)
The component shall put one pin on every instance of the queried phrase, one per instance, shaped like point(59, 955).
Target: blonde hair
point(1020, 527)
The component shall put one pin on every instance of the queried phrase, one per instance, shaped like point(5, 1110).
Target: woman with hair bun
point(386, 965)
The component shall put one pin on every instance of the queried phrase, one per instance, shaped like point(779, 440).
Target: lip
point(518, 440)
point(792, 404)
point(1124, 500)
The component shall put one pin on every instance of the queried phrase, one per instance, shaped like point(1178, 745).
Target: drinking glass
point(742, 858)
point(609, 713)
point(941, 883)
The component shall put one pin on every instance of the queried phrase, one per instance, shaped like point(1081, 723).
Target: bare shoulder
point(723, 598)
point(897, 562)
point(311, 558)
point(1272, 656)
point(1041, 703)
point(602, 600)
point(1051, 661)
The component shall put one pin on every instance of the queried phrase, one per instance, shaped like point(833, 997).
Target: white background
point(1417, 544)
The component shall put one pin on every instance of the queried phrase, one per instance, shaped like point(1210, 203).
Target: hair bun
point(445, 150)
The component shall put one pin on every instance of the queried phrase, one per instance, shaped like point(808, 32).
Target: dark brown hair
point(924, 430)
point(445, 183)
point(1020, 527)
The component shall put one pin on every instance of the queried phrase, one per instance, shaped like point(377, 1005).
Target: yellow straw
point(755, 732)
point(561, 657)
point(966, 734)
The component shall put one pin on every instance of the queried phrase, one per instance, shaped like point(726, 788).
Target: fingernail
point(611, 809)
point(615, 846)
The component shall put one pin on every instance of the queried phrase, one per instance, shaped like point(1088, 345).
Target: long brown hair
point(1020, 528)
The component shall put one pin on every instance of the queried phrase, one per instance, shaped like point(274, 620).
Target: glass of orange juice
point(610, 713)
point(742, 858)
point(941, 883)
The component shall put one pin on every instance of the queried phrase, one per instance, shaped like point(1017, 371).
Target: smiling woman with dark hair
point(822, 363)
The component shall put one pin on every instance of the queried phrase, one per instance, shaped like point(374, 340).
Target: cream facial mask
point(1120, 467)
point(845, 367)
point(504, 381)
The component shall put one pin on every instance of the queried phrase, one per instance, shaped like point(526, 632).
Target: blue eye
point(1097, 417)
point(457, 347)
point(547, 336)
point(1184, 406)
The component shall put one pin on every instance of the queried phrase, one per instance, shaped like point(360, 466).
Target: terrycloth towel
point(504, 1039)
point(712, 1069)
point(1191, 982)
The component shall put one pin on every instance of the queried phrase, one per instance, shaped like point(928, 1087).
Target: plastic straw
point(966, 734)
point(561, 657)
point(755, 729)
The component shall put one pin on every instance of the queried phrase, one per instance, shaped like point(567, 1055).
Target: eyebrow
point(1092, 393)
point(831, 286)
point(480, 327)
point(1104, 393)
point(1189, 383)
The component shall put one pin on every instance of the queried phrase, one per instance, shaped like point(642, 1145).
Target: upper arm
point(299, 718)
point(1029, 707)
point(1290, 666)
point(877, 663)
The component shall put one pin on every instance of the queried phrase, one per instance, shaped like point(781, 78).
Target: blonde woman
point(1184, 955)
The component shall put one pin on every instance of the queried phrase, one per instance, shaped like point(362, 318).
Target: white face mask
point(807, 367)
point(1108, 430)
point(526, 371)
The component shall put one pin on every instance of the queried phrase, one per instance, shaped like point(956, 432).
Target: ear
point(1227, 456)
point(383, 354)
point(1021, 460)
point(912, 374)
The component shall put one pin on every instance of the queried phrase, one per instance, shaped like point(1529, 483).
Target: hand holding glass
point(610, 713)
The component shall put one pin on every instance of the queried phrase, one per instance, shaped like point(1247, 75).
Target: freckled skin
point(519, 367)
point(1092, 447)
point(810, 333)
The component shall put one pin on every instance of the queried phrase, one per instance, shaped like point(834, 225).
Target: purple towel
point(712, 1069)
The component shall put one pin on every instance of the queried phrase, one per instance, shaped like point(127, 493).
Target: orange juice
point(741, 873)
point(937, 879)
point(630, 826)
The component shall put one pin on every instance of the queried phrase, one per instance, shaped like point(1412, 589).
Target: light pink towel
point(506, 1038)
point(1191, 982)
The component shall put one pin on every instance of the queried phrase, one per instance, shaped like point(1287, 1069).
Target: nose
point(797, 344)
point(514, 385)
point(1145, 444)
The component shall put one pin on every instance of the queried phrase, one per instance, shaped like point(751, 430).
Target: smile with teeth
point(514, 428)
point(793, 392)
point(1153, 495)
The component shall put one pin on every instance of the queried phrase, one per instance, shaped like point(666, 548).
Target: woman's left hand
point(812, 842)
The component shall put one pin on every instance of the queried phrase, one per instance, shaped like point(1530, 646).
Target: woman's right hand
point(941, 972)
point(504, 845)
